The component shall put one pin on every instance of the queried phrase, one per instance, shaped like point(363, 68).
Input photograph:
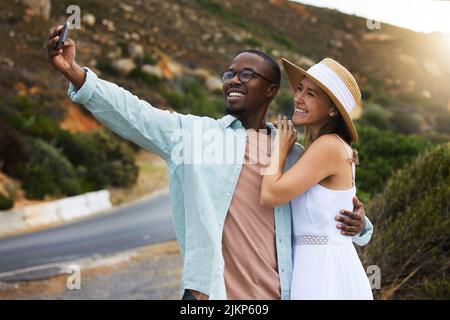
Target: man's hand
point(352, 222)
point(63, 59)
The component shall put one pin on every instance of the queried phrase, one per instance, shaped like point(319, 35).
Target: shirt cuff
point(364, 237)
point(83, 95)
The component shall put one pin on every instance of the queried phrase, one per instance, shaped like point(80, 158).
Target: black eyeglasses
point(245, 75)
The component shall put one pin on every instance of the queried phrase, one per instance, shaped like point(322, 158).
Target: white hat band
point(335, 84)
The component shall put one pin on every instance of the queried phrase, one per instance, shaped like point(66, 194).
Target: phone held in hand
point(62, 36)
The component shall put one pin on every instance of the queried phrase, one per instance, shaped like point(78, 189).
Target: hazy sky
point(418, 15)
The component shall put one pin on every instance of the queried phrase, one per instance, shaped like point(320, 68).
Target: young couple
point(242, 234)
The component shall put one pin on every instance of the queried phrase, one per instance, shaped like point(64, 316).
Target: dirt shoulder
point(151, 272)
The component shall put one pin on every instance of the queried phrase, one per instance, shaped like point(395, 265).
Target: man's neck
point(255, 122)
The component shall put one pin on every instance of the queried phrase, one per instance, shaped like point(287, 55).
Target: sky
point(417, 15)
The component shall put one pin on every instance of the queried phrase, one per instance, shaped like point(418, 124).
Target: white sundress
point(326, 264)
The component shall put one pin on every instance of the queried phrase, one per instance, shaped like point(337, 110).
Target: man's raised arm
point(115, 107)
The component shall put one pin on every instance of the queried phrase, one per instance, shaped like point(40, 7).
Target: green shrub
point(38, 119)
point(192, 97)
point(442, 124)
point(412, 229)
point(105, 65)
point(374, 115)
point(283, 103)
point(174, 98)
point(13, 148)
point(147, 59)
point(47, 173)
point(138, 73)
point(406, 122)
point(101, 160)
point(381, 153)
point(6, 203)
point(252, 42)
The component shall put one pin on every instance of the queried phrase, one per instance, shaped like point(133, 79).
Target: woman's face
point(312, 106)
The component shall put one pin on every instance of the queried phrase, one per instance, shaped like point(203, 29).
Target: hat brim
point(297, 74)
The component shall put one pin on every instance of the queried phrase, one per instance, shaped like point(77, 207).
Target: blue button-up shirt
point(200, 191)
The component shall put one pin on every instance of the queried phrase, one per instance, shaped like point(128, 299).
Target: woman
point(326, 265)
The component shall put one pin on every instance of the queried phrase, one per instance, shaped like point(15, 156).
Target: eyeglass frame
point(238, 73)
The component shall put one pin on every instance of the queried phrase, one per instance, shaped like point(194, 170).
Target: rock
point(7, 62)
point(38, 7)
point(153, 70)
point(349, 37)
point(213, 83)
point(170, 68)
point(135, 50)
point(433, 69)
point(336, 43)
point(135, 36)
point(109, 25)
point(305, 62)
point(114, 54)
point(275, 53)
point(376, 36)
point(200, 73)
point(426, 94)
point(126, 8)
point(88, 19)
point(123, 66)
point(237, 37)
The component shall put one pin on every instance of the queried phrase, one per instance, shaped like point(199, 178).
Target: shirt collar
point(228, 120)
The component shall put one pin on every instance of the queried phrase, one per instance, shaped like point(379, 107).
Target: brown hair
point(334, 125)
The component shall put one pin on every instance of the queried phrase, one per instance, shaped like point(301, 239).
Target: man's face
point(248, 97)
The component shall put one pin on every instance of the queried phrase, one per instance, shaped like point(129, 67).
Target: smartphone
point(62, 36)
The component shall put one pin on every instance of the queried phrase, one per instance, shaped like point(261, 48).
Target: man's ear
point(272, 91)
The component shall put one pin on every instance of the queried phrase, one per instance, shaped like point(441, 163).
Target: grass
point(152, 177)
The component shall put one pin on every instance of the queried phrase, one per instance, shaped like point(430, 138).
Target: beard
point(234, 111)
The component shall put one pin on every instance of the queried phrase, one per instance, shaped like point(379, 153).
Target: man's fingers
point(54, 31)
point(348, 222)
point(357, 205)
point(351, 215)
point(55, 53)
point(350, 234)
point(345, 228)
point(52, 42)
point(69, 43)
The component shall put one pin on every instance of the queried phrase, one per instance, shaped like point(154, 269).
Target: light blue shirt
point(200, 191)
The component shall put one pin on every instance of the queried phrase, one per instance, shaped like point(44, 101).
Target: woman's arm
point(317, 163)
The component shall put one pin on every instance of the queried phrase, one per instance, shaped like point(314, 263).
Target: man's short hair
point(274, 66)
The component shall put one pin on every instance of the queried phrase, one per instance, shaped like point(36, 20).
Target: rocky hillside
point(169, 52)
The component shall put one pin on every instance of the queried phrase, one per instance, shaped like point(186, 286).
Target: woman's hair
point(334, 125)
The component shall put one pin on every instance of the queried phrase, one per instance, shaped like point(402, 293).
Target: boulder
point(123, 66)
point(38, 7)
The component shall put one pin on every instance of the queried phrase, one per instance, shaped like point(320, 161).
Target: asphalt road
point(141, 223)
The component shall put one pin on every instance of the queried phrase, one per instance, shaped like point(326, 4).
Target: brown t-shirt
point(248, 243)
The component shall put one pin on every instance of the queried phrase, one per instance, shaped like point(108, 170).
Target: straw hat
point(337, 82)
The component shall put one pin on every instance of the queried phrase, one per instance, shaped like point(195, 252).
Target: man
point(231, 246)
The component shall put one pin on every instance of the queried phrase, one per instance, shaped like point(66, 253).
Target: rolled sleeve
point(364, 237)
point(85, 93)
point(127, 115)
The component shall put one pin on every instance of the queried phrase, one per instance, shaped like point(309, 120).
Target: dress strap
point(350, 155)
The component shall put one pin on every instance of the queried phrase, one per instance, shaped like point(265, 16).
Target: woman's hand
point(286, 136)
